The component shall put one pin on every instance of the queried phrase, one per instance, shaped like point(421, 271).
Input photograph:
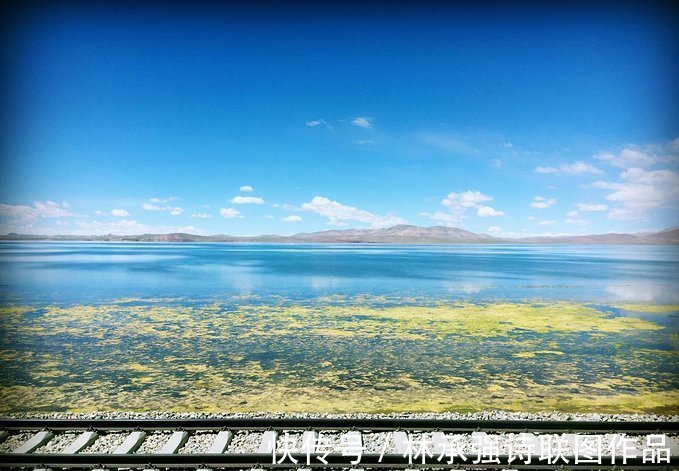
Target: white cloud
point(487, 211)
point(42, 209)
point(229, 213)
point(98, 212)
point(540, 202)
point(532, 218)
point(292, 218)
point(575, 168)
point(163, 200)
point(467, 199)
point(496, 163)
point(128, 227)
point(572, 214)
point(121, 213)
point(638, 156)
point(173, 210)
point(247, 200)
point(337, 213)
point(639, 191)
point(365, 141)
point(547, 223)
point(508, 145)
point(445, 218)
point(591, 207)
point(94, 227)
point(459, 203)
point(246, 188)
point(201, 215)
point(362, 122)
point(494, 230)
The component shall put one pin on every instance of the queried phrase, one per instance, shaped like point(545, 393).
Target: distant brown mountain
point(400, 234)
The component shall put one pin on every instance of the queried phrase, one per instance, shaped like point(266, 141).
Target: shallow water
point(343, 328)
point(76, 272)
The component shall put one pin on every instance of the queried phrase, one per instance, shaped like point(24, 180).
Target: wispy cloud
point(292, 218)
point(246, 189)
point(201, 216)
point(337, 213)
point(641, 156)
point(445, 218)
point(318, 122)
point(591, 207)
point(247, 200)
point(547, 223)
point(362, 122)
point(173, 210)
point(40, 209)
point(574, 168)
point(121, 213)
point(446, 142)
point(164, 200)
point(540, 202)
point(229, 213)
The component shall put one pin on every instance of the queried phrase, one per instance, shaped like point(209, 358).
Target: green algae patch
point(336, 354)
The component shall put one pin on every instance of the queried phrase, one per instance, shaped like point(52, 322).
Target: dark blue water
point(75, 272)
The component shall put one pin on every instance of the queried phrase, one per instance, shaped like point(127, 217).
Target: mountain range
point(400, 234)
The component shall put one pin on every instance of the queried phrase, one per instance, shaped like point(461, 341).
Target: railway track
point(336, 443)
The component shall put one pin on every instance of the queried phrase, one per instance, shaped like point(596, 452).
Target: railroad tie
point(268, 443)
point(353, 438)
point(309, 439)
point(174, 443)
point(84, 439)
point(221, 442)
point(131, 443)
point(440, 442)
point(401, 442)
point(35, 442)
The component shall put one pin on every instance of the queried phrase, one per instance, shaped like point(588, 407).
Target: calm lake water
point(79, 272)
point(338, 328)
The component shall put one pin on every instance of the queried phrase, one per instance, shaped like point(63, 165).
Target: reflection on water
point(75, 272)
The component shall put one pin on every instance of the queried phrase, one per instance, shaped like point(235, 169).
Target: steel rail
point(372, 424)
point(249, 460)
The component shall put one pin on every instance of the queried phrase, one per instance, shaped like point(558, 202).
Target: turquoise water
point(78, 272)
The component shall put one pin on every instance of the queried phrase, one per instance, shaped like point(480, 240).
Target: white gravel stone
point(14, 441)
point(375, 442)
point(58, 443)
point(154, 442)
point(106, 443)
point(245, 442)
point(198, 442)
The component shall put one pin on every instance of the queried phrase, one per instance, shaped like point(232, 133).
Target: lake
point(356, 327)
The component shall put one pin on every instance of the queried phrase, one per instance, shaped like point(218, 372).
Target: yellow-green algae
point(333, 355)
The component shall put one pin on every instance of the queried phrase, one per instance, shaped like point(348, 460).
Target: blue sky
point(506, 120)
